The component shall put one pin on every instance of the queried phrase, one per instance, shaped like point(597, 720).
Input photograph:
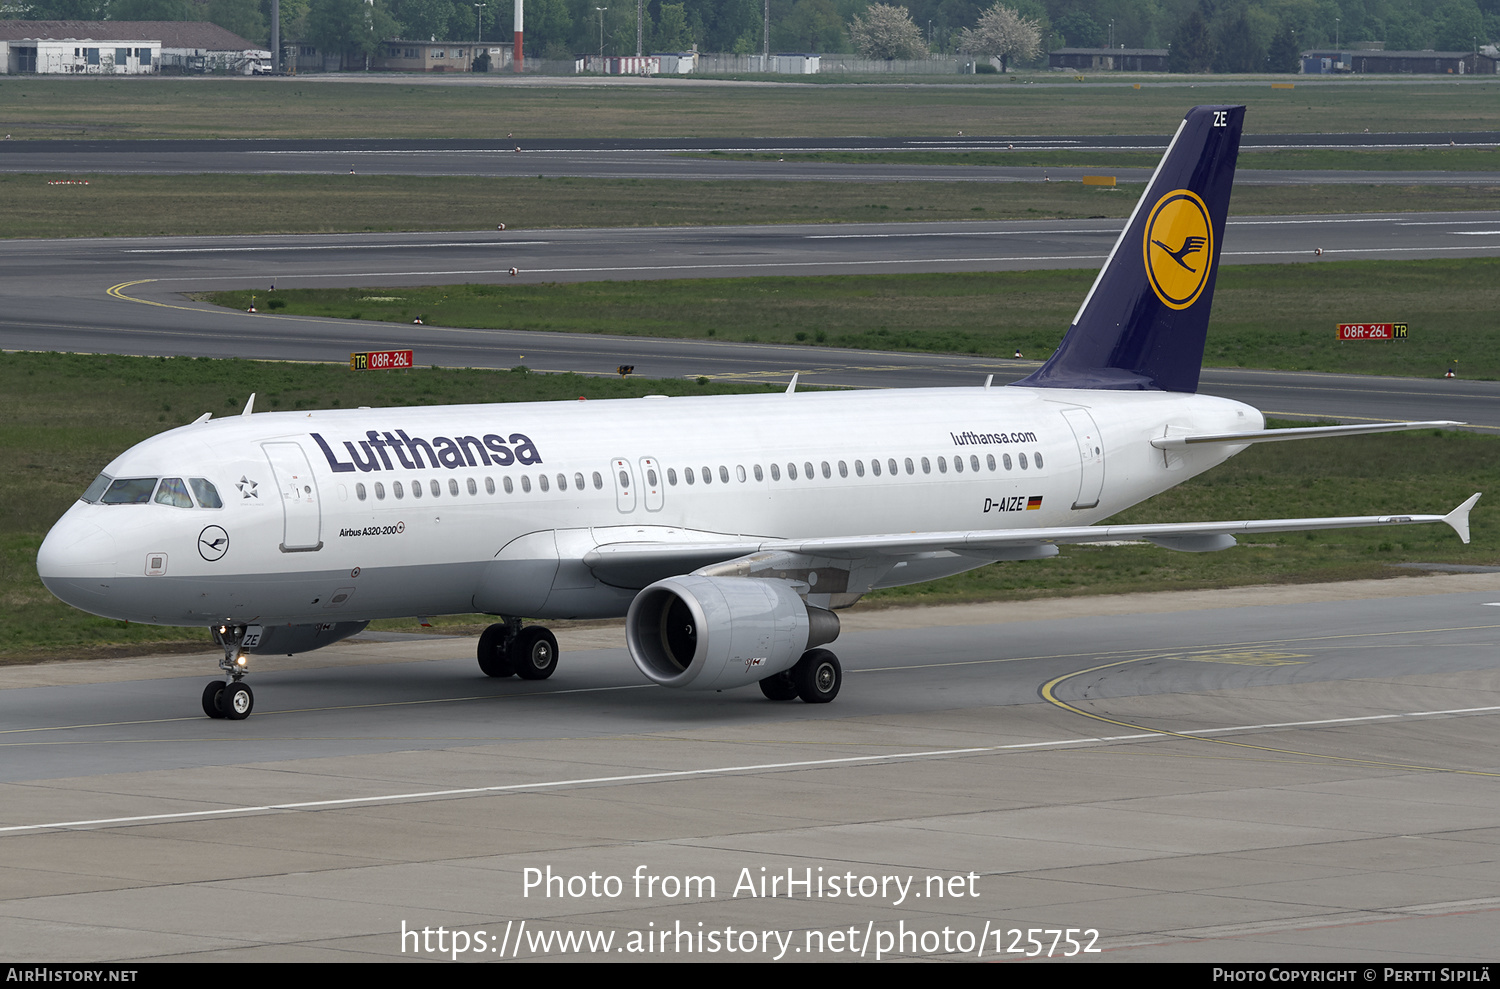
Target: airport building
point(125, 48)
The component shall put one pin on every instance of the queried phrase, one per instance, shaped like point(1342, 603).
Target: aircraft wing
point(638, 563)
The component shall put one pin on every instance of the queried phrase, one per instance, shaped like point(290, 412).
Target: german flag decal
point(1033, 503)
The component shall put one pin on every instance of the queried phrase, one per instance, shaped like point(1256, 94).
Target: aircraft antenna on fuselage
point(1143, 324)
point(791, 389)
point(249, 405)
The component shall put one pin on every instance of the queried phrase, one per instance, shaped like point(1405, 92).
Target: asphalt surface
point(58, 296)
point(1285, 775)
point(673, 159)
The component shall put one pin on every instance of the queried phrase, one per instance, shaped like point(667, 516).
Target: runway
point(1296, 774)
point(681, 159)
point(126, 296)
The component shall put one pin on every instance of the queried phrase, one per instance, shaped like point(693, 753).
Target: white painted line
point(959, 233)
point(330, 247)
point(689, 773)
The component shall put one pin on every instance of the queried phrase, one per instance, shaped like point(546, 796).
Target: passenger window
point(708, 476)
point(827, 473)
point(650, 479)
point(1006, 458)
point(926, 467)
point(875, 467)
point(974, 463)
point(1022, 457)
point(416, 489)
point(453, 486)
point(689, 476)
point(489, 485)
point(359, 491)
point(911, 468)
point(578, 480)
point(958, 464)
point(473, 488)
point(808, 467)
point(942, 465)
point(791, 472)
point(891, 463)
point(379, 491)
point(1038, 458)
point(542, 480)
point(510, 487)
point(723, 473)
point(989, 460)
point(398, 490)
point(739, 472)
point(208, 495)
point(435, 487)
point(562, 481)
point(859, 468)
point(130, 491)
point(760, 475)
point(624, 480)
point(775, 472)
point(173, 492)
point(525, 484)
point(598, 481)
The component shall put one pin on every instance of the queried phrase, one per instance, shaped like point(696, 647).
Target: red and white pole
point(517, 57)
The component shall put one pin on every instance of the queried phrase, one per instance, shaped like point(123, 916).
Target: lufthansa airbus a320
point(727, 530)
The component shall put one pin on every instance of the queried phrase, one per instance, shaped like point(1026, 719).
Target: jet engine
point(716, 633)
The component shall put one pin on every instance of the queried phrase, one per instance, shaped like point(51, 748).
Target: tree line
point(1203, 35)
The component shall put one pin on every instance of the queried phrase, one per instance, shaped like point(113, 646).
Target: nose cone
point(77, 562)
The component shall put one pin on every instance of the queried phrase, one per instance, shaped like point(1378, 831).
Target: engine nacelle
point(716, 633)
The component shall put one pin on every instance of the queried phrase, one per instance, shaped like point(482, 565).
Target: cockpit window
point(173, 492)
point(208, 495)
point(93, 491)
point(130, 491)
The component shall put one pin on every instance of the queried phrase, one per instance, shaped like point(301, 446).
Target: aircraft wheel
point(495, 659)
point(818, 676)
point(779, 686)
point(534, 653)
point(211, 695)
point(237, 701)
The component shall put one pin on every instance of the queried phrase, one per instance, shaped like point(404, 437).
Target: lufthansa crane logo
point(1179, 248)
point(213, 543)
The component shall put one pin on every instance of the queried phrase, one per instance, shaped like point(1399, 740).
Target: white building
point(125, 48)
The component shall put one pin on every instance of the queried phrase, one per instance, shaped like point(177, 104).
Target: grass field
point(39, 108)
point(1265, 316)
point(160, 205)
point(56, 444)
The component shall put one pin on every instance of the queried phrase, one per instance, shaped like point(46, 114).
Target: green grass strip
point(1265, 316)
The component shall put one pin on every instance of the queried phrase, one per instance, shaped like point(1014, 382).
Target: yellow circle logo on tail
point(1179, 248)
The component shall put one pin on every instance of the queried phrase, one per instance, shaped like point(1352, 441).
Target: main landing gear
point(816, 678)
point(232, 700)
point(508, 649)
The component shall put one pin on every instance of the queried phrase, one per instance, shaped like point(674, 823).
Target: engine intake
point(716, 633)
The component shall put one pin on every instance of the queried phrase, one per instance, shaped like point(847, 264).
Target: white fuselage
point(520, 493)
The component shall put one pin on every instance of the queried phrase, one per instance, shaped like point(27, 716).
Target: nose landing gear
point(232, 700)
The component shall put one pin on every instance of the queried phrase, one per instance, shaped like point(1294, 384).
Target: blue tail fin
point(1143, 323)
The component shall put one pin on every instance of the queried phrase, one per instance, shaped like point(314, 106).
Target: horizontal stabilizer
point(1301, 433)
